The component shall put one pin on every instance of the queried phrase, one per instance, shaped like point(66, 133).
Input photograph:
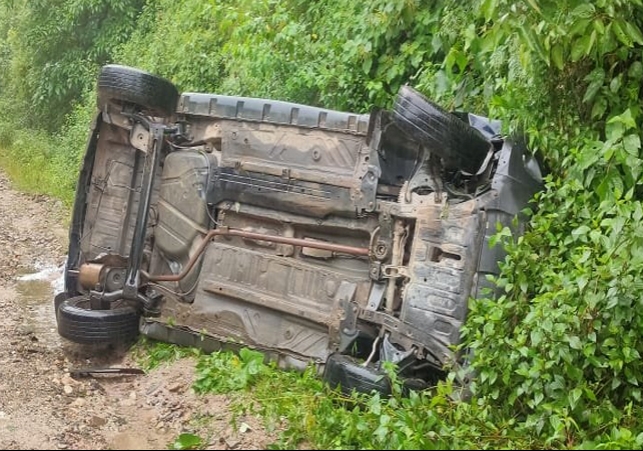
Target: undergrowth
point(306, 411)
point(150, 354)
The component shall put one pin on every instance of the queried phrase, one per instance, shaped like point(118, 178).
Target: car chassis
point(310, 234)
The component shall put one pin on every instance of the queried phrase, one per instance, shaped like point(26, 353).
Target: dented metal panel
point(443, 264)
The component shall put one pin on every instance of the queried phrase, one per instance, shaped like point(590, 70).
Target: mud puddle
point(35, 290)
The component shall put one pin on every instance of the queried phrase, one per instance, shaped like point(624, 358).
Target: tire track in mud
point(41, 406)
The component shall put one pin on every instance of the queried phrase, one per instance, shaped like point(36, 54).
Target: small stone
point(232, 444)
point(175, 387)
point(96, 421)
point(62, 446)
point(26, 329)
point(132, 395)
point(244, 427)
point(78, 402)
point(68, 380)
point(68, 390)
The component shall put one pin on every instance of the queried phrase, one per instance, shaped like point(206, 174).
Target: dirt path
point(41, 406)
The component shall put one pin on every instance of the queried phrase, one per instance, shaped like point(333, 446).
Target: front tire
point(458, 144)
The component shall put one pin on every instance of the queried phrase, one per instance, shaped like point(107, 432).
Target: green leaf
point(625, 119)
point(596, 79)
point(598, 26)
point(599, 107)
point(536, 337)
point(533, 43)
point(574, 397)
point(584, 10)
point(557, 56)
point(451, 59)
point(617, 186)
point(579, 28)
point(580, 231)
point(187, 441)
point(590, 43)
point(538, 397)
point(555, 422)
point(636, 70)
point(634, 32)
point(488, 8)
point(615, 84)
point(632, 144)
point(580, 47)
point(366, 65)
point(590, 394)
point(574, 342)
point(618, 27)
point(595, 236)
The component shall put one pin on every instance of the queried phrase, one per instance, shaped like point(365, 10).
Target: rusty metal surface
point(318, 172)
point(182, 211)
point(89, 275)
point(258, 237)
point(442, 266)
point(113, 196)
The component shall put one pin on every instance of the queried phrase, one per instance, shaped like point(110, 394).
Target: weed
point(151, 353)
point(187, 441)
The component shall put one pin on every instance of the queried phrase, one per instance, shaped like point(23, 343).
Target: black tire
point(154, 94)
point(58, 300)
point(458, 144)
point(78, 323)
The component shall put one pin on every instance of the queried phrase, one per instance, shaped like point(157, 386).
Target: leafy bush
point(50, 60)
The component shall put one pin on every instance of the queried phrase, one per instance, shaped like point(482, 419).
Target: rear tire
point(78, 323)
point(154, 94)
point(459, 145)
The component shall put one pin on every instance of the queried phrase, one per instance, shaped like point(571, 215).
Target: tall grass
point(43, 163)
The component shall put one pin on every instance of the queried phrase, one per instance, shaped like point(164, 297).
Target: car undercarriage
point(313, 235)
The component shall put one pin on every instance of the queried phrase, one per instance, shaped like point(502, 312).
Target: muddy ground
point(41, 406)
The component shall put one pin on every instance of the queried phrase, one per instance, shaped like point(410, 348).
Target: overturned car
point(312, 235)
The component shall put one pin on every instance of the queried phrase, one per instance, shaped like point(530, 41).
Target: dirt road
point(41, 406)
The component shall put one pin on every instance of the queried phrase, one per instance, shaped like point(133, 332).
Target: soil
point(41, 405)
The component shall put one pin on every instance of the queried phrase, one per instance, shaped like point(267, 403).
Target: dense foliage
point(558, 355)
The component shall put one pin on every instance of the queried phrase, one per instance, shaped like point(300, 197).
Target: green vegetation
point(558, 355)
point(187, 441)
point(150, 354)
